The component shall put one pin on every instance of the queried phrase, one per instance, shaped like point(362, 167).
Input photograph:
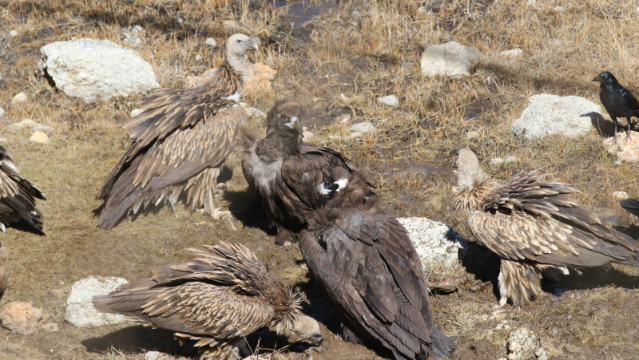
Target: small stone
point(152, 355)
point(450, 59)
point(390, 100)
point(229, 24)
point(356, 134)
point(256, 113)
point(512, 54)
point(13, 33)
point(307, 135)
point(19, 98)
point(42, 128)
point(542, 354)
point(346, 101)
point(496, 161)
point(39, 137)
point(198, 57)
point(620, 195)
point(422, 10)
point(345, 119)
point(20, 317)
point(80, 310)
point(511, 159)
point(136, 29)
point(363, 128)
point(136, 112)
point(132, 41)
point(211, 42)
point(1, 112)
point(3, 141)
point(521, 344)
point(24, 124)
point(472, 135)
point(626, 151)
point(51, 327)
point(180, 21)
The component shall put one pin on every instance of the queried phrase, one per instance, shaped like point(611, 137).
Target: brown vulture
point(180, 142)
point(284, 170)
point(369, 269)
point(631, 206)
point(17, 196)
point(535, 226)
point(218, 298)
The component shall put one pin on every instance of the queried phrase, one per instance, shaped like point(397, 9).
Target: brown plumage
point(17, 196)
point(218, 298)
point(533, 226)
point(369, 269)
point(284, 170)
point(180, 142)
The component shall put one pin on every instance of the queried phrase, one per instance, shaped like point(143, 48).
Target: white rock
point(152, 355)
point(542, 354)
point(198, 57)
point(472, 135)
point(1, 112)
point(211, 42)
point(434, 240)
point(521, 344)
point(512, 54)
point(19, 98)
point(344, 99)
point(42, 128)
point(626, 151)
point(80, 311)
point(3, 141)
point(551, 114)
point(257, 113)
point(24, 124)
point(450, 59)
point(511, 159)
point(39, 137)
point(620, 195)
point(136, 112)
point(390, 100)
point(13, 33)
point(496, 161)
point(132, 41)
point(422, 10)
point(136, 29)
point(307, 135)
point(355, 135)
point(363, 128)
point(345, 119)
point(97, 69)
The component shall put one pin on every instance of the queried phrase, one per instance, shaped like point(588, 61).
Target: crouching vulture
point(284, 170)
point(218, 298)
point(369, 269)
point(180, 142)
point(535, 226)
point(17, 197)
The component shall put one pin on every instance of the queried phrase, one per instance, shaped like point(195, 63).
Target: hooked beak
point(596, 78)
point(254, 43)
point(317, 339)
point(321, 190)
point(295, 123)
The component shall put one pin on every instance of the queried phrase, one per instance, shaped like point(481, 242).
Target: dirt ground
point(362, 49)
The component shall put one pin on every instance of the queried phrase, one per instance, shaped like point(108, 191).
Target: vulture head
point(284, 121)
point(235, 50)
point(344, 189)
point(473, 184)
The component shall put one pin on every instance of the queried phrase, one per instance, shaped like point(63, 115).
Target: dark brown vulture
point(180, 142)
point(220, 297)
point(369, 269)
point(17, 196)
point(284, 170)
point(534, 226)
point(631, 206)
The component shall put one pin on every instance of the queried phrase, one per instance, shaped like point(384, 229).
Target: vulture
point(180, 141)
point(218, 298)
point(535, 226)
point(631, 206)
point(284, 170)
point(369, 269)
point(17, 196)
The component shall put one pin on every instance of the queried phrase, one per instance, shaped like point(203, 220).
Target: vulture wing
point(527, 220)
point(631, 206)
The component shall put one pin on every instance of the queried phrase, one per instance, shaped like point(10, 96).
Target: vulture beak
point(596, 78)
point(254, 43)
point(317, 339)
point(295, 124)
point(321, 190)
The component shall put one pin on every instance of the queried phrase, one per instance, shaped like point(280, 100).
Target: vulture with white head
point(368, 267)
point(284, 170)
point(180, 142)
point(218, 298)
point(17, 196)
point(534, 226)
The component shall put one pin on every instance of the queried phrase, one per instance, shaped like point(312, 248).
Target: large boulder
point(21, 317)
point(450, 59)
point(551, 114)
point(434, 241)
point(80, 310)
point(96, 69)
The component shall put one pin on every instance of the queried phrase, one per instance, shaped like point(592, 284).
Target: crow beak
point(317, 339)
point(596, 78)
point(254, 43)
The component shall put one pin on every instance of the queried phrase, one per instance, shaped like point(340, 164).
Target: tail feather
point(441, 345)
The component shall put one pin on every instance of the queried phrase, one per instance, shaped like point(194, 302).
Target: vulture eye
point(239, 42)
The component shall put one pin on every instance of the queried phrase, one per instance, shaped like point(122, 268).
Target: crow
point(617, 100)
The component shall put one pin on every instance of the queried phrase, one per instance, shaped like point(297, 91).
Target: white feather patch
point(342, 184)
point(235, 97)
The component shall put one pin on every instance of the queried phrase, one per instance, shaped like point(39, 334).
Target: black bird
point(617, 100)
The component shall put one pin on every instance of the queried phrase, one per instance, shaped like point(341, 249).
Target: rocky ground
point(370, 77)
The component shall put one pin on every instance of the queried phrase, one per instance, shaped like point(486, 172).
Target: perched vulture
point(220, 297)
point(180, 142)
point(534, 226)
point(369, 269)
point(631, 206)
point(284, 170)
point(17, 196)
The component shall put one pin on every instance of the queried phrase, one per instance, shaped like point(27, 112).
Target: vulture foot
point(502, 302)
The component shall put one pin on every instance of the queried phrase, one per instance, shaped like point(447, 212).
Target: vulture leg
point(519, 281)
point(201, 190)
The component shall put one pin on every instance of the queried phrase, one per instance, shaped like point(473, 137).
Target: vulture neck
point(237, 63)
point(473, 198)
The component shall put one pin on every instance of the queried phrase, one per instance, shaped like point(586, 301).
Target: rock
point(472, 135)
point(13, 33)
point(198, 57)
point(253, 112)
point(345, 119)
point(20, 317)
point(346, 101)
point(521, 344)
point(355, 135)
point(153, 355)
point(51, 327)
point(80, 311)
point(39, 137)
point(390, 100)
point(626, 151)
point(422, 10)
point(551, 114)
point(19, 98)
point(507, 160)
point(259, 79)
point(450, 59)
point(496, 161)
point(542, 354)
point(3, 141)
point(363, 128)
point(620, 195)
point(211, 42)
point(229, 24)
point(96, 69)
point(24, 124)
point(307, 135)
point(132, 41)
point(512, 54)
point(136, 112)
point(1, 112)
point(511, 159)
point(42, 128)
point(434, 240)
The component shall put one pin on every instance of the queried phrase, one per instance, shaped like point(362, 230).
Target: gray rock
point(97, 69)
point(345, 119)
point(13, 33)
point(507, 160)
point(132, 41)
point(19, 98)
point(363, 128)
point(512, 54)
point(1, 112)
point(434, 240)
point(42, 128)
point(551, 114)
point(620, 195)
point(253, 112)
point(3, 140)
point(542, 354)
point(450, 59)
point(521, 344)
point(211, 42)
point(80, 311)
point(390, 100)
